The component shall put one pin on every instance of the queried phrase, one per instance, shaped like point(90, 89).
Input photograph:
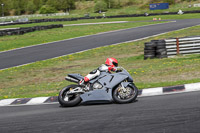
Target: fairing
point(108, 81)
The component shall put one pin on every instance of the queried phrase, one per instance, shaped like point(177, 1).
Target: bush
point(100, 6)
point(127, 2)
point(145, 6)
point(47, 9)
point(171, 2)
point(116, 3)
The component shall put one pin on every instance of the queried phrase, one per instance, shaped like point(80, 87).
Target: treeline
point(19, 7)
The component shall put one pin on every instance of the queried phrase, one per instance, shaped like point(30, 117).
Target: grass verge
point(46, 78)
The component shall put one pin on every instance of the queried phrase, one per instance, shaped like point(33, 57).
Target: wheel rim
point(67, 97)
point(126, 93)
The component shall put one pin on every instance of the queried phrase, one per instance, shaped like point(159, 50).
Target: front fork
point(76, 90)
point(124, 85)
point(123, 88)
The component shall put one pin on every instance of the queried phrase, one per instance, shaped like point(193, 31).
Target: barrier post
point(177, 46)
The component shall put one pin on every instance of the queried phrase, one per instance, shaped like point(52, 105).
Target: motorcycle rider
point(111, 64)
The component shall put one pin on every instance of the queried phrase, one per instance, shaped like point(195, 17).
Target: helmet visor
point(115, 64)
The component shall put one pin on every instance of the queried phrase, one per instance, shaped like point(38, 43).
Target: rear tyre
point(69, 100)
point(120, 96)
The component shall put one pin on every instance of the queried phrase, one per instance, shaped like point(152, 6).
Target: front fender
point(125, 84)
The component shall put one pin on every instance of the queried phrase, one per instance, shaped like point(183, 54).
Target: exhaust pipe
point(71, 79)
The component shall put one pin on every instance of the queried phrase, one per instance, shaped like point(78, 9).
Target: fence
point(187, 45)
point(31, 16)
point(171, 47)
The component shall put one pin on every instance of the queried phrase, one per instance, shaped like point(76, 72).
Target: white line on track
point(113, 22)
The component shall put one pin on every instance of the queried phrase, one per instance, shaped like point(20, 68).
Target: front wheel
point(125, 95)
point(69, 100)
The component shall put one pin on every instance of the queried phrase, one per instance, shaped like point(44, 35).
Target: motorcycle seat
point(76, 76)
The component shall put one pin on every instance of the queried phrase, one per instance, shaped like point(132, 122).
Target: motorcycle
point(107, 87)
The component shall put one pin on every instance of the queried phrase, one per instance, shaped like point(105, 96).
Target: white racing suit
point(96, 72)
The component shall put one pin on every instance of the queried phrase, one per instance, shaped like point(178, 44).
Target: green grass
point(45, 36)
point(46, 78)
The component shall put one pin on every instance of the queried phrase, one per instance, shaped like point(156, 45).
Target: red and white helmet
point(111, 62)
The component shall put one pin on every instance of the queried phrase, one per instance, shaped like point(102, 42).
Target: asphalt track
point(177, 113)
point(55, 49)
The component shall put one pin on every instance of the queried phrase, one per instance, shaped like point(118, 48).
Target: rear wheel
point(126, 95)
point(69, 100)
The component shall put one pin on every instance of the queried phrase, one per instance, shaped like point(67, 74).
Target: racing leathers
point(95, 73)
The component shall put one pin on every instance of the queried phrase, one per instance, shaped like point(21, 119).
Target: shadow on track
point(92, 103)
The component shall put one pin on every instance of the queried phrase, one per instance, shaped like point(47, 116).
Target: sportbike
point(107, 87)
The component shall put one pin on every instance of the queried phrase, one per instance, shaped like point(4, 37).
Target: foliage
point(31, 7)
point(20, 7)
point(6, 6)
point(47, 9)
point(171, 2)
point(100, 6)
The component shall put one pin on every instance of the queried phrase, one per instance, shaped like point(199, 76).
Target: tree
point(52, 3)
point(100, 6)
point(6, 7)
point(19, 6)
point(47, 9)
point(31, 8)
point(113, 3)
point(38, 4)
point(65, 5)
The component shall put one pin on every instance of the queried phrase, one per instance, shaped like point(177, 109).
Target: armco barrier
point(21, 31)
point(186, 45)
point(96, 17)
point(171, 47)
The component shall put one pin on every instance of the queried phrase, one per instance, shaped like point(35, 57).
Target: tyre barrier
point(21, 31)
point(96, 17)
point(155, 49)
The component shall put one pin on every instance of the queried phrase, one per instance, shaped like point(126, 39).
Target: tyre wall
point(21, 31)
point(155, 49)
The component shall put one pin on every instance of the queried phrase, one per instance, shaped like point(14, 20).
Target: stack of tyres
point(155, 49)
point(21, 31)
point(161, 51)
point(149, 50)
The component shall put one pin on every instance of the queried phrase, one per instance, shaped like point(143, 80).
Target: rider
point(110, 65)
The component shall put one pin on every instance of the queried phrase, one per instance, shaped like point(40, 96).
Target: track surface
point(51, 50)
point(177, 113)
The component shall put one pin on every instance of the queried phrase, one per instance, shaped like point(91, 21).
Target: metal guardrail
point(186, 45)
point(171, 47)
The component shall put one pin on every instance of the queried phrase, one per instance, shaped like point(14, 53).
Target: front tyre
point(69, 100)
point(126, 95)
